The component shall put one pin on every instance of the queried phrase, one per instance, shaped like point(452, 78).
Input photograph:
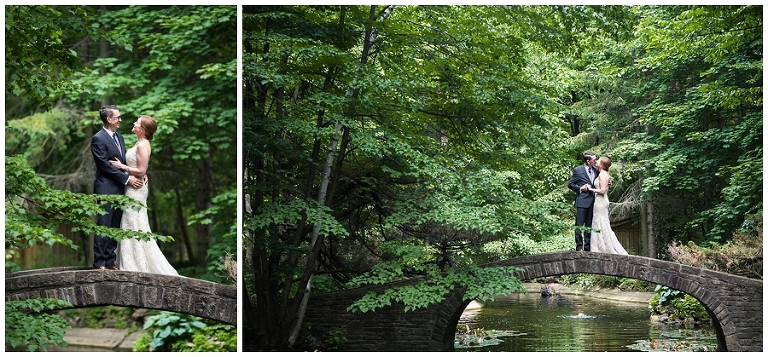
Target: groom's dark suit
point(108, 181)
point(585, 201)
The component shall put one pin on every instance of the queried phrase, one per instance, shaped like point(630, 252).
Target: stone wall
point(385, 329)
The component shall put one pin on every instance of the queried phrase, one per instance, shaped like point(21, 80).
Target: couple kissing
point(591, 181)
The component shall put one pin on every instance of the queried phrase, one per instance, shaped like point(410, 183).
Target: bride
point(603, 238)
point(134, 254)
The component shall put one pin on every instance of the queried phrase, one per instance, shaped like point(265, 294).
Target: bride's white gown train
point(134, 254)
point(603, 239)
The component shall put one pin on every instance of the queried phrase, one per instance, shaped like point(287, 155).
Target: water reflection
point(533, 323)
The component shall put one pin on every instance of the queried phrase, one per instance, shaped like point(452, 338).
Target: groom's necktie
point(114, 136)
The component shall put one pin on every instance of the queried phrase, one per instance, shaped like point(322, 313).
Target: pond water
point(520, 323)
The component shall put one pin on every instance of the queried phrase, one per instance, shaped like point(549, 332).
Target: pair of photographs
point(335, 177)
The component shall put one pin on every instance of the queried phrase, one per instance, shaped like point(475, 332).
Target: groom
point(582, 179)
point(107, 145)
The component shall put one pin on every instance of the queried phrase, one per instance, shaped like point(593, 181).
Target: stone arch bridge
point(735, 303)
point(84, 287)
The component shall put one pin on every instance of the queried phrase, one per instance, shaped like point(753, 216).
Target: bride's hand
point(117, 164)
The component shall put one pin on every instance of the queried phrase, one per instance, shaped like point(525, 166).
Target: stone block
point(17, 283)
point(51, 279)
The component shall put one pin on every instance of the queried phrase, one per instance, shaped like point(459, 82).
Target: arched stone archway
point(735, 303)
point(84, 287)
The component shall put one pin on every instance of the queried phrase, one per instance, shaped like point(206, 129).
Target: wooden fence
point(43, 256)
point(628, 233)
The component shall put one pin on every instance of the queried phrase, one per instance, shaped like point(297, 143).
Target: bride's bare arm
point(603, 183)
point(143, 150)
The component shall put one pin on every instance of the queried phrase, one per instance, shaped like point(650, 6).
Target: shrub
point(679, 306)
point(25, 325)
point(743, 255)
point(174, 332)
point(95, 317)
point(166, 329)
point(336, 340)
point(212, 338)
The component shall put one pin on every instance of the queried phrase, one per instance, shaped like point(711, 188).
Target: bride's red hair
point(606, 162)
point(149, 124)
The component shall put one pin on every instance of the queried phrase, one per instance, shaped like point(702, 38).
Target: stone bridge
point(735, 303)
point(84, 287)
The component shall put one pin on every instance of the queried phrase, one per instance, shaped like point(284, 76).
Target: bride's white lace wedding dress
point(603, 239)
point(134, 254)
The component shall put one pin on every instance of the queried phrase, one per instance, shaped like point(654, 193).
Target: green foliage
point(38, 45)
point(446, 135)
point(688, 307)
point(194, 99)
point(95, 317)
point(325, 283)
point(704, 134)
point(294, 211)
point(679, 305)
point(480, 283)
point(38, 135)
point(121, 322)
point(223, 218)
point(592, 281)
point(676, 105)
point(174, 332)
point(449, 140)
point(33, 210)
point(104, 316)
point(634, 284)
point(175, 63)
point(182, 72)
point(742, 255)
point(518, 244)
point(211, 338)
point(166, 329)
point(336, 339)
point(585, 281)
point(26, 325)
point(664, 295)
point(142, 343)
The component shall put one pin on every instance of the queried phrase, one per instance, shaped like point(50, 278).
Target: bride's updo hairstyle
point(149, 124)
point(606, 162)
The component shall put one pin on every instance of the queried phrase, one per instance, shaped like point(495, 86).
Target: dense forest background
point(177, 64)
point(385, 142)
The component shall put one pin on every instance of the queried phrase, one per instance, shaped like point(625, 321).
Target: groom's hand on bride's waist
point(135, 182)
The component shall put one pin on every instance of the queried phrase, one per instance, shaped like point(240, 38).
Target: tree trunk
point(180, 217)
point(263, 318)
point(203, 196)
point(647, 244)
point(370, 39)
point(651, 229)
